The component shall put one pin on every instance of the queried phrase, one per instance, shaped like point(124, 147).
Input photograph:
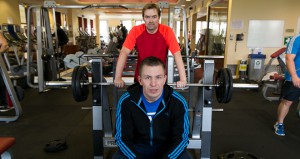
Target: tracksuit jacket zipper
point(151, 123)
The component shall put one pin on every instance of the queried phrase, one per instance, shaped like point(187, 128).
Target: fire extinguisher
point(243, 69)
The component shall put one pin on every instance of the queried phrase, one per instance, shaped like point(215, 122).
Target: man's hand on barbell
point(119, 83)
point(180, 84)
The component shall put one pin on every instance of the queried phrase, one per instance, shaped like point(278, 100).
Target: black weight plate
point(82, 90)
point(225, 80)
point(230, 85)
point(218, 88)
point(56, 145)
point(74, 74)
point(238, 155)
point(77, 85)
point(223, 85)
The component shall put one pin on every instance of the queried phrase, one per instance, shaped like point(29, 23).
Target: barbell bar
point(184, 56)
point(80, 84)
point(69, 83)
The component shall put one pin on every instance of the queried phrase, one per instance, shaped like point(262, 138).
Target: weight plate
point(74, 74)
point(82, 87)
point(222, 81)
point(220, 86)
point(230, 85)
point(238, 155)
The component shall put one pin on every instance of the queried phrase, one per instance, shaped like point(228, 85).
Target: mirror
point(217, 25)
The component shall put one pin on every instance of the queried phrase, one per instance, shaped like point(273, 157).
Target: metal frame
point(12, 94)
point(102, 119)
point(44, 41)
point(104, 83)
point(201, 134)
point(44, 44)
point(171, 58)
point(97, 109)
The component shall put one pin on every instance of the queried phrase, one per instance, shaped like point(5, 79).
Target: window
point(178, 31)
point(80, 23)
point(200, 29)
point(138, 22)
point(23, 16)
point(127, 24)
point(104, 33)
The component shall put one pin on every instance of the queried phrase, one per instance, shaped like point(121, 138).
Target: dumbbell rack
point(102, 119)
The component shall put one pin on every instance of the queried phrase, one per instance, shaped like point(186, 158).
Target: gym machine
point(102, 118)
point(18, 43)
point(45, 51)
point(47, 67)
point(12, 43)
point(12, 94)
point(86, 41)
point(277, 78)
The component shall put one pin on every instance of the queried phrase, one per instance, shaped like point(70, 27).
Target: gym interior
point(60, 97)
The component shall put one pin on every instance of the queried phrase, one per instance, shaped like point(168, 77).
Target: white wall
point(245, 10)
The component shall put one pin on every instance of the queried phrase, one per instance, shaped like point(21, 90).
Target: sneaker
point(279, 129)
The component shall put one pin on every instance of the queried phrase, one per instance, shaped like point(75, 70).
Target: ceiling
point(105, 2)
point(110, 6)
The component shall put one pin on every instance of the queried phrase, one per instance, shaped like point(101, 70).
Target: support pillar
point(97, 26)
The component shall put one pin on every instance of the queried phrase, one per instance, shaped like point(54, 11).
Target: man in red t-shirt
point(150, 39)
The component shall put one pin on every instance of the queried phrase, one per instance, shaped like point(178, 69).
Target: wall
point(245, 10)
point(9, 10)
point(113, 23)
point(73, 22)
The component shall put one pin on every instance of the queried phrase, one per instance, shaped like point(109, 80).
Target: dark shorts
point(290, 92)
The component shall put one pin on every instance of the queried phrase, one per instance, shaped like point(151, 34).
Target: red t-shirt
point(156, 44)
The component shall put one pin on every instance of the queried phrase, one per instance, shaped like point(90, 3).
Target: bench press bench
point(5, 144)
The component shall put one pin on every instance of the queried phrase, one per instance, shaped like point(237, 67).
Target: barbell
point(223, 84)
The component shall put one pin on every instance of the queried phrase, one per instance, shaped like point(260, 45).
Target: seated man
point(152, 119)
